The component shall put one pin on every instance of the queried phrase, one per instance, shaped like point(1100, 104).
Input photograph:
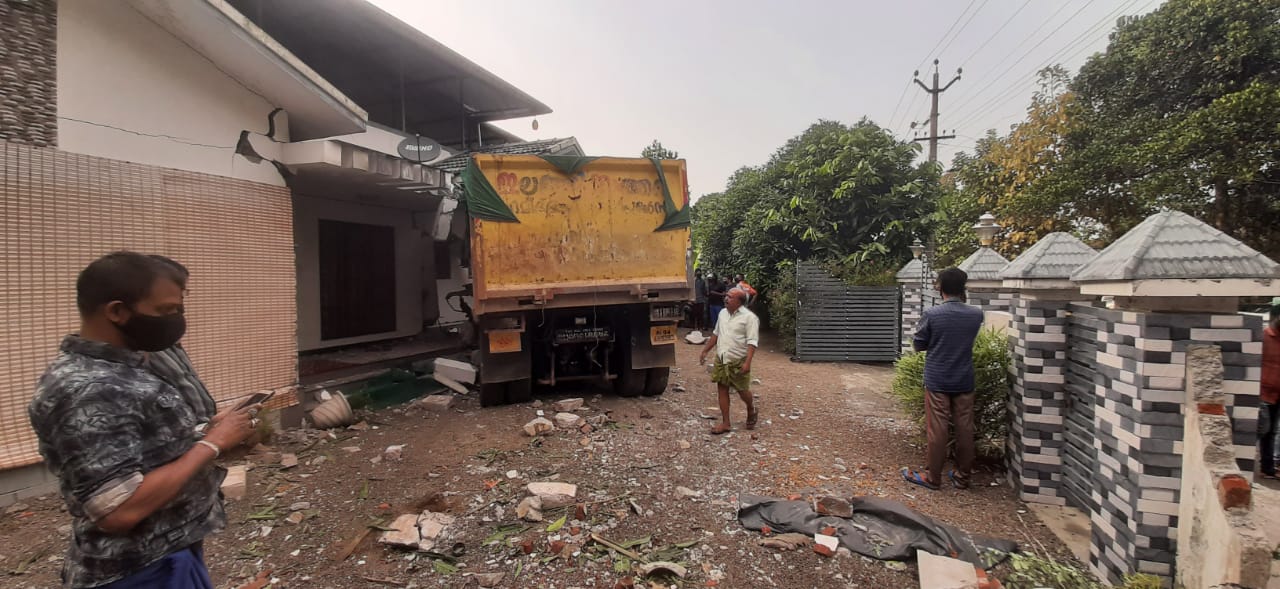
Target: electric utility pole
point(934, 92)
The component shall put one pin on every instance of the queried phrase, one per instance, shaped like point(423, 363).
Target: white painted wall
point(117, 68)
point(413, 251)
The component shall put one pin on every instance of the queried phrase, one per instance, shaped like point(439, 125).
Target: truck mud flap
point(509, 365)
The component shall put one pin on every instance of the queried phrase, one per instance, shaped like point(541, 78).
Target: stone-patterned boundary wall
point(992, 299)
point(914, 295)
point(1037, 405)
point(1138, 428)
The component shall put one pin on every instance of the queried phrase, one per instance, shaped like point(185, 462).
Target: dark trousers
point(715, 314)
point(699, 315)
point(941, 411)
point(1267, 414)
point(183, 569)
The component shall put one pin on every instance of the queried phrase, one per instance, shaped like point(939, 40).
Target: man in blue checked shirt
point(947, 332)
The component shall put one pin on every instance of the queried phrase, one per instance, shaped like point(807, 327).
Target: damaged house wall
point(128, 90)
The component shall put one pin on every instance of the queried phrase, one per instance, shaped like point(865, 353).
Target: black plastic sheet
point(880, 528)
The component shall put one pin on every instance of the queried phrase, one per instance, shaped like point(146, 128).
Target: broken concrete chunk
point(834, 506)
point(489, 580)
point(431, 525)
point(554, 495)
point(530, 509)
point(300, 506)
point(663, 567)
point(565, 405)
point(296, 517)
point(568, 420)
point(825, 545)
point(418, 532)
point(233, 486)
point(393, 453)
point(788, 541)
point(437, 402)
point(685, 492)
point(288, 460)
point(456, 386)
point(539, 426)
point(403, 532)
point(940, 572)
point(454, 370)
point(685, 445)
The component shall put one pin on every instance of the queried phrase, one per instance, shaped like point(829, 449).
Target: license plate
point(582, 335)
point(502, 341)
point(662, 334)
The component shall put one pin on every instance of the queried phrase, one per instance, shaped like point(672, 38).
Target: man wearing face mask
point(133, 453)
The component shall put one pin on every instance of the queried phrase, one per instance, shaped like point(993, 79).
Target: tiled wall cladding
point(28, 72)
point(60, 211)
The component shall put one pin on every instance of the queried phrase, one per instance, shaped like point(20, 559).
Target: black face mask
point(153, 333)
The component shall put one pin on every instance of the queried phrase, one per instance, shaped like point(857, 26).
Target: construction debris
point(456, 386)
point(417, 532)
point(648, 569)
point(288, 460)
point(566, 405)
point(461, 372)
point(553, 494)
point(438, 403)
point(393, 453)
point(539, 426)
point(530, 509)
point(234, 485)
point(788, 541)
point(940, 572)
point(568, 420)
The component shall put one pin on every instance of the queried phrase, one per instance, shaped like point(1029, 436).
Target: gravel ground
point(825, 428)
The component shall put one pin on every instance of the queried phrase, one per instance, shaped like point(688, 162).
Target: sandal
point(721, 428)
point(752, 417)
point(955, 482)
point(916, 478)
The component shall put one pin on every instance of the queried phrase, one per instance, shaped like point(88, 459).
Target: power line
point(963, 26)
point(1083, 41)
point(944, 36)
point(1084, 37)
point(894, 116)
point(965, 61)
point(965, 101)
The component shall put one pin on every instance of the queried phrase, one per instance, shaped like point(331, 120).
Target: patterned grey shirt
point(105, 417)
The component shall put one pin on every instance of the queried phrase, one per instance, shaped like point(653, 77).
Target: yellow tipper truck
point(580, 271)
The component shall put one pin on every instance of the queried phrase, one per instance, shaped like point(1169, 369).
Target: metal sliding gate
point(1079, 456)
point(836, 322)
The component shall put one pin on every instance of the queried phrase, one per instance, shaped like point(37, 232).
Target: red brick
point(1234, 491)
point(1211, 408)
point(823, 550)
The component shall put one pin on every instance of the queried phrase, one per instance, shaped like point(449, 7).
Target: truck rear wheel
point(493, 394)
point(630, 383)
point(656, 381)
point(520, 391)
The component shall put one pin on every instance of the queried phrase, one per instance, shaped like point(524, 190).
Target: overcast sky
point(727, 82)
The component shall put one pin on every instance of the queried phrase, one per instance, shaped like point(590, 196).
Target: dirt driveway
point(823, 427)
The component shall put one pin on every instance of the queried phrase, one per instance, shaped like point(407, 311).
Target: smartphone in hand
point(256, 398)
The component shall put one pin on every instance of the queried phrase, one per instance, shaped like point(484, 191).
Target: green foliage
point(991, 377)
point(1182, 112)
point(1031, 571)
point(655, 150)
point(782, 306)
point(849, 197)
